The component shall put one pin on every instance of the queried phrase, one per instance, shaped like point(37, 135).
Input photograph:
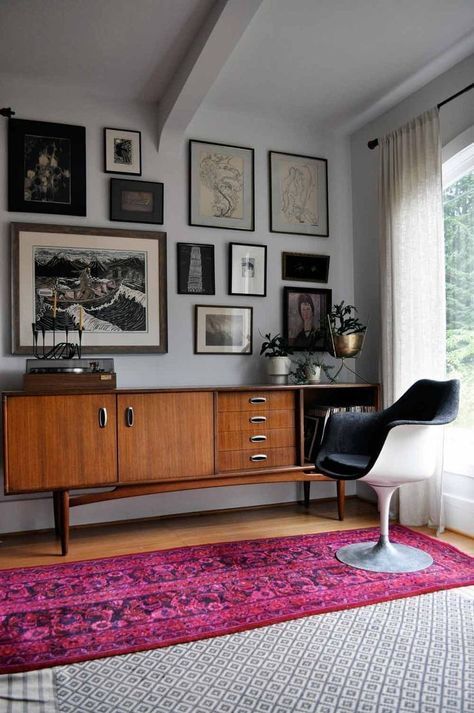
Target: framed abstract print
point(304, 267)
point(136, 201)
point(123, 151)
point(46, 167)
point(221, 186)
point(196, 269)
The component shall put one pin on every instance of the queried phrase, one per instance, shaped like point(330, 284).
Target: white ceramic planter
point(313, 373)
point(278, 369)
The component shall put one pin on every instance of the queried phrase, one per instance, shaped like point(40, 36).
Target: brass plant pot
point(347, 345)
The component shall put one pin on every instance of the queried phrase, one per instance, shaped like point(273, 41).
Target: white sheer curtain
point(413, 281)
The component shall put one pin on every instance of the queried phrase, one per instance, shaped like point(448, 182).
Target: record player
point(69, 374)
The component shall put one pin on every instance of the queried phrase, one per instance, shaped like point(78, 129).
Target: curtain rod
point(375, 142)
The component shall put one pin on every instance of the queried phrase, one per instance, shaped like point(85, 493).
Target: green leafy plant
point(276, 346)
point(343, 320)
point(308, 359)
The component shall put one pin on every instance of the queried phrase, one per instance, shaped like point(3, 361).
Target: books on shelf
point(315, 420)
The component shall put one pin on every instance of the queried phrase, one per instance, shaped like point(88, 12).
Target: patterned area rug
point(73, 612)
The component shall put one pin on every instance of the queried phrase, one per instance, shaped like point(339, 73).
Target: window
point(458, 198)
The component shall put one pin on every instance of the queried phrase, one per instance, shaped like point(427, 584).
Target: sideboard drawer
point(256, 439)
point(250, 421)
point(255, 400)
point(251, 459)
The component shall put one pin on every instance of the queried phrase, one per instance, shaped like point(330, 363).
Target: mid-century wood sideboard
point(142, 441)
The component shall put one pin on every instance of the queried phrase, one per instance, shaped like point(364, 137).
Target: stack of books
point(315, 420)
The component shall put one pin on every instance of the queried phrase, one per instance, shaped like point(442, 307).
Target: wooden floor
point(162, 533)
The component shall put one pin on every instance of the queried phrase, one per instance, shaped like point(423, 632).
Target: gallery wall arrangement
point(114, 281)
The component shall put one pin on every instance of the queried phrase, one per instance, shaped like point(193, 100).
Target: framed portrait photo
point(298, 194)
point(247, 269)
point(123, 151)
point(46, 167)
point(136, 201)
point(223, 330)
point(113, 282)
point(196, 275)
point(305, 312)
point(304, 267)
point(221, 186)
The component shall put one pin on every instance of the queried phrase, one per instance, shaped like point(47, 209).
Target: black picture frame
point(196, 272)
point(298, 189)
point(296, 303)
point(304, 267)
point(223, 329)
point(136, 201)
point(46, 167)
point(122, 151)
point(221, 188)
point(247, 269)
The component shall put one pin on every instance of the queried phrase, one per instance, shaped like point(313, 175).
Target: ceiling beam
point(208, 53)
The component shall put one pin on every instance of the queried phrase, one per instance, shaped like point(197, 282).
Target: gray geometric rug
point(411, 655)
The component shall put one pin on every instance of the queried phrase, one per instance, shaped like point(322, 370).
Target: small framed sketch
point(196, 269)
point(298, 194)
point(46, 167)
point(136, 201)
point(223, 330)
point(247, 270)
point(221, 186)
point(123, 151)
point(304, 267)
point(305, 318)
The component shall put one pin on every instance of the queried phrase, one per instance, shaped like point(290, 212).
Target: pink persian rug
point(64, 613)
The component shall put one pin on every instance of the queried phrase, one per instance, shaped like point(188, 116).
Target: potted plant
point(308, 368)
point(277, 350)
point(346, 330)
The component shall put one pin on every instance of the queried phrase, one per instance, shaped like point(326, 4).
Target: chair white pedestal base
point(384, 556)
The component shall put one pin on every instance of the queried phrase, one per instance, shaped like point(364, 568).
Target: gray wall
point(180, 366)
point(455, 117)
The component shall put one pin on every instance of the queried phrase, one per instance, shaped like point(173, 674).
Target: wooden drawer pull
point(258, 419)
point(258, 400)
point(130, 416)
point(258, 457)
point(102, 417)
point(257, 439)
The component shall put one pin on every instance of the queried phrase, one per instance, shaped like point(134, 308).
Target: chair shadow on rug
point(386, 450)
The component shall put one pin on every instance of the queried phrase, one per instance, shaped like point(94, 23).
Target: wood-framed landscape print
point(221, 186)
point(304, 267)
point(305, 317)
point(223, 330)
point(136, 201)
point(112, 280)
point(123, 151)
point(46, 167)
point(247, 269)
point(196, 269)
point(298, 194)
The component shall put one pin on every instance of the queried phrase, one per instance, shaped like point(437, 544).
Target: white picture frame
point(247, 270)
point(223, 329)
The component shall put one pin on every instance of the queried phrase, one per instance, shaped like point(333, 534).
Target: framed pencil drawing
point(136, 201)
point(298, 194)
point(221, 186)
point(113, 281)
point(46, 167)
point(247, 270)
point(196, 269)
point(223, 330)
point(304, 267)
point(305, 311)
point(123, 151)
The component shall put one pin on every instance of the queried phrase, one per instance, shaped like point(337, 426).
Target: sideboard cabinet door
point(63, 441)
point(165, 436)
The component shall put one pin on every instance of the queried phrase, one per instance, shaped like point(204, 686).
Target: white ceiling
point(322, 62)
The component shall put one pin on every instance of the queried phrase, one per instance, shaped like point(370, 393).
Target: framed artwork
point(298, 194)
point(196, 269)
point(247, 270)
point(123, 151)
point(221, 186)
point(46, 167)
point(304, 267)
point(223, 330)
point(136, 201)
point(305, 320)
point(113, 281)
point(312, 425)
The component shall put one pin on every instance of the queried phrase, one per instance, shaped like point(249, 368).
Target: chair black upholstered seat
point(386, 450)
